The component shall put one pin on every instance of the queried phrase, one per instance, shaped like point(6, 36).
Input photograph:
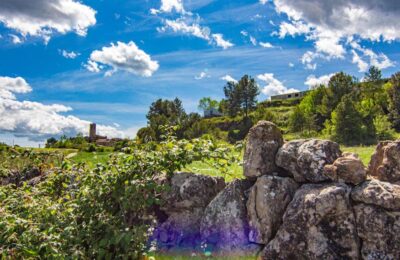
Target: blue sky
point(145, 50)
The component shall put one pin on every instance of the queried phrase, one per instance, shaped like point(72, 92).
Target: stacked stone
point(301, 199)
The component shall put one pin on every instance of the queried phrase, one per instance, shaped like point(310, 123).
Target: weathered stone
point(385, 162)
point(266, 205)
point(305, 159)
point(188, 190)
point(379, 193)
point(348, 169)
point(264, 140)
point(318, 224)
point(224, 226)
point(184, 205)
point(379, 231)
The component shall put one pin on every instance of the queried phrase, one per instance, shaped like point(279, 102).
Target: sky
point(66, 63)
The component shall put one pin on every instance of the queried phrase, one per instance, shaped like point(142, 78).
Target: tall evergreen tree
point(374, 74)
point(248, 92)
point(394, 101)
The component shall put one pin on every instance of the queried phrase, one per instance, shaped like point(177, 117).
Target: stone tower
point(92, 132)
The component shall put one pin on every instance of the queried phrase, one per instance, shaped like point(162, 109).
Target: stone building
point(290, 95)
point(100, 140)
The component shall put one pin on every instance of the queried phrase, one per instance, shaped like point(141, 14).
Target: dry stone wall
point(301, 199)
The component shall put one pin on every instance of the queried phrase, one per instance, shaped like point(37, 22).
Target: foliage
point(393, 91)
point(103, 213)
point(207, 103)
point(374, 74)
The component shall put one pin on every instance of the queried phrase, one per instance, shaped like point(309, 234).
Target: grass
point(364, 152)
point(91, 159)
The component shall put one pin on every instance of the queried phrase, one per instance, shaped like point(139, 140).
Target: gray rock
point(379, 231)
point(305, 159)
point(188, 190)
point(266, 205)
point(318, 224)
point(263, 142)
point(224, 226)
point(347, 169)
point(379, 193)
point(385, 162)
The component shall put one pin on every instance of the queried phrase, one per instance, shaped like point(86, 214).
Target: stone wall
point(302, 199)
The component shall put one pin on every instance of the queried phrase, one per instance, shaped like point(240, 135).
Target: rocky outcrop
point(187, 197)
point(318, 224)
point(379, 231)
point(263, 142)
point(378, 193)
point(266, 205)
point(305, 159)
point(224, 226)
point(347, 169)
point(384, 163)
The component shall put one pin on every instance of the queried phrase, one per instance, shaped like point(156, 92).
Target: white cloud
point(126, 57)
point(202, 75)
point(291, 64)
point(308, 60)
point(220, 42)
point(273, 86)
point(229, 78)
point(168, 6)
point(15, 39)
point(244, 33)
point(253, 40)
point(362, 65)
point(36, 120)
point(331, 23)
point(69, 55)
point(41, 18)
point(185, 26)
point(266, 45)
point(313, 81)
point(263, 2)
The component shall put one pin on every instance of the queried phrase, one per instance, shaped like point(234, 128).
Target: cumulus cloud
point(313, 81)
point(69, 54)
point(41, 18)
point(38, 121)
point(15, 39)
point(122, 56)
point(168, 6)
point(229, 78)
point(365, 58)
point(273, 86)
point(189, 27)
point(266, 45)
point(331, 23)
point(202, 75)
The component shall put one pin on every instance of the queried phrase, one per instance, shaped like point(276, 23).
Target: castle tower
point(92, 132)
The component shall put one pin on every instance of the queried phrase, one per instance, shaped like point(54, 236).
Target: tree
point(347, 124)
point(374, 74)
point(393, 91)
point(206, 103)
point(241, 96)
point(248, 93)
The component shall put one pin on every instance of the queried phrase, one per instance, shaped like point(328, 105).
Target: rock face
point(224, 226)
point(266, 205)
point(380, 232)
point(185, 202)
point(264, 140)
point(347, 169)
point(305, 159)
point(318, 224)
point(384, 163)
point(378, 193)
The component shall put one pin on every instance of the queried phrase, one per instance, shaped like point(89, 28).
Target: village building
point(100, 140)
point(299, 94)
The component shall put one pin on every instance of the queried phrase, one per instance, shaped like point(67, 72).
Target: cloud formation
point(41, 18)
point(229, 78)
point(127, 57)
point(167, 6)
point(273, 86)
point(38, 121)
point(69, 54)
point(313, 81)
point(332, 25)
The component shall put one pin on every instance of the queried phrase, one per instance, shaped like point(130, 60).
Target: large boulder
point(264, 140)
point(305, 159)
point(379, 193)
point(185, 201)
point(379, 231)
point(266, 205)
point(318, 224)
point(224, 226)
point(188, 190)
point(385, 162)
point(347, 169)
